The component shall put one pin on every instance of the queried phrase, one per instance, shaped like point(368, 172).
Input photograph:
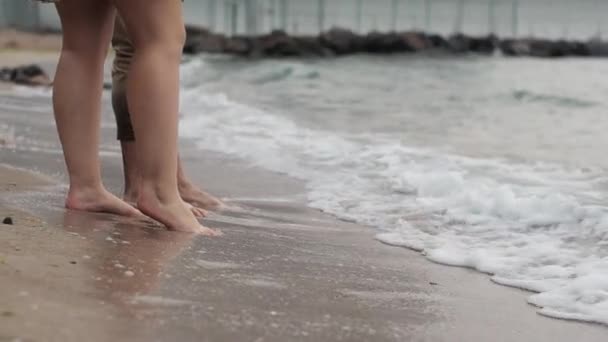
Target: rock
point(580, 49)
point(459, 43)
point(7, 314)
point(597, 48)
point(32, 75)
point(513, 47)
point(211, 43)
point(341, 41)
point(483, 45)
point(392, 42)
point(311, 46)
point(8, 220)
point(193, 31)
point(545, 48)
point(436, 41)
point(200, 39)
point(278, 44)
point(238, 46)
point(418, 41)
point(5, 74)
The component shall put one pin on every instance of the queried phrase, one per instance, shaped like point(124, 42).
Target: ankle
point(82, 193)
point(164, 193)
point(78, 188)
point(184, 185)
point(130, 195)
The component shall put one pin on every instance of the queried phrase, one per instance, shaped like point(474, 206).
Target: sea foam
point(541, 227)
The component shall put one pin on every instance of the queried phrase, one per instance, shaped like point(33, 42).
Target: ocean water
point(490, 163)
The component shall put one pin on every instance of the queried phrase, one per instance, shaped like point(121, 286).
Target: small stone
point(129, 273)
point(73, 262)
point(119, 266)
point(434, 284)
point(8, 220)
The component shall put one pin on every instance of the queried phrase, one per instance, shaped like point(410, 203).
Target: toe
point(210, 232)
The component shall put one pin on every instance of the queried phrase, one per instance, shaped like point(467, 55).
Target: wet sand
point(282, 272)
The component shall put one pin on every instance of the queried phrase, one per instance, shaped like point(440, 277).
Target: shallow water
point(489, 163)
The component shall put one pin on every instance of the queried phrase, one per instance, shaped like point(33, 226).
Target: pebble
point(8, 220)
point(129, 273)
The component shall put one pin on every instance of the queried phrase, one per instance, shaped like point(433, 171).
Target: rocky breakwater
point(341, 42)
point(30, 75)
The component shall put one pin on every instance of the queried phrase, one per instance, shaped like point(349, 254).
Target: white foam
point(540, 227)
point(160, 301)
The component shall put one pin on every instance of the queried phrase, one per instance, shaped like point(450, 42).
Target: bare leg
point(193, 194)
point(87, 25)
point(131, 173)
point(126, 136)
point(157, 31)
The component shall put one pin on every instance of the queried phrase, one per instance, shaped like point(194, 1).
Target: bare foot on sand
point(175, 215)
point(131, 198)
point(98, 200)
point(198, 212)
point(198, 198)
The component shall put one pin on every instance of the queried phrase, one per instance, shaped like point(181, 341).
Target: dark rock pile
point(31, 75)
point(340, 42)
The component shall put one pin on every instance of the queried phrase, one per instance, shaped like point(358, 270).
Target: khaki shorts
point(124, 53)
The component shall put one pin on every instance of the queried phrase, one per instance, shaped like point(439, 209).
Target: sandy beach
point(282, 272)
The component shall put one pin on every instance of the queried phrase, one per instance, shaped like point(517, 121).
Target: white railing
point(547, 18)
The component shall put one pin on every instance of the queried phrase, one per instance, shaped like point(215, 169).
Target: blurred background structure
point(506, 18)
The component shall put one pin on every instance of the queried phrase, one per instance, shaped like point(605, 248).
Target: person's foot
point(198, 212)
point(98, 200)
point(173, 213)
point(197, 197)
point(130, 196)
